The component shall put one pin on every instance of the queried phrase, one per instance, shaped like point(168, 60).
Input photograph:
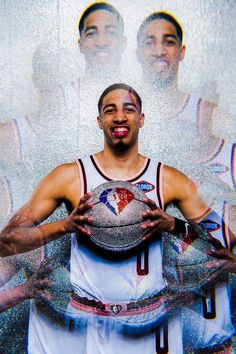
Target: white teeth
point(120, 129)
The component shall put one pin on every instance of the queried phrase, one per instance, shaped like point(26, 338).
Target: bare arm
point(37, 286)
point(178, 189)
point(24, 232)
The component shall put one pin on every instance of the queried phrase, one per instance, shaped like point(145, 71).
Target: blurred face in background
point(159, 51)
point(102, 41)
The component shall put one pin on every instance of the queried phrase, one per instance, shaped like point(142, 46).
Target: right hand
point(39, 284)
point(76, 221)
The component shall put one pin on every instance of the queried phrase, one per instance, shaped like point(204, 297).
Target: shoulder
point(59, 180)
point(176, 185)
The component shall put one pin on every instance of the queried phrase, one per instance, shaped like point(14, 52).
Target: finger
point(83, 230)
point(84, 219)
point(150, 203)
point(214, 242)
point(81, 208)
point(150, 225)
point(218, 254)
point(44, 295)
point(85, 198)
point(151, 214)
point(213, 263)
point(150, 232)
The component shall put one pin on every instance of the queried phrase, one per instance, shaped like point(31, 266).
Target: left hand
point(157, 220)
point(225, 255)
point(39, 284)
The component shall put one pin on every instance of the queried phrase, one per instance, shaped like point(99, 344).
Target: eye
point(169, 42)
point(112, 33)
point(148, 42)
point(129, 109)
point(90, 34)
point(109, 111)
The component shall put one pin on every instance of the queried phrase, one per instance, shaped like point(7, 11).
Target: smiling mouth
point(160, 64)
point(102, 54)
point(120, 131)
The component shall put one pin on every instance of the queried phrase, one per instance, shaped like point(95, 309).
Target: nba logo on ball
point(117, 216)
point(116, 200)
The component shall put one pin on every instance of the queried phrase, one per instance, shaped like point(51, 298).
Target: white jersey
point(222, 162)
point(98, 279)
point(85, 265)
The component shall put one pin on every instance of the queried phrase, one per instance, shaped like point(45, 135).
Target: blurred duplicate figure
point(102, 41)
point(183, 126)
point(108, 292)
point(175, 113)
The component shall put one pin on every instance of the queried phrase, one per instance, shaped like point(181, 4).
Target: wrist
point(65, 226)
point(180, 227)
point(171, 225)
point(23, 291)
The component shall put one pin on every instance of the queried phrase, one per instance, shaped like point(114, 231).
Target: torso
point(86, 265)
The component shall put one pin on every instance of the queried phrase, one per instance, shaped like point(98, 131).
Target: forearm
point(11, 297)
point(21, 239)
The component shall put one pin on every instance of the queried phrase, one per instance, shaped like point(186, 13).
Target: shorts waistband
point(163, 302)
point(117, 308)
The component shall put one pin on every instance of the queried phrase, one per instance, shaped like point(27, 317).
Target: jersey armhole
point(233, 165)
point(82, 175)
point(159, 184)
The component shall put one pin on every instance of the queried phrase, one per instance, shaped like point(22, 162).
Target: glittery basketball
point(117, 213)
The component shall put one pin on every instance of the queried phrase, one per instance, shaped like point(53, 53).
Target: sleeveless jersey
point(96, 278)
point(222, 162)
point(86, 265)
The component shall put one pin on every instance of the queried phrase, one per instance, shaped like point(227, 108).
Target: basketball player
point(160, 51)
point(94, 278)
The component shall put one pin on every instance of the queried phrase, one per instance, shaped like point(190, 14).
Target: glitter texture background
point(39, 53)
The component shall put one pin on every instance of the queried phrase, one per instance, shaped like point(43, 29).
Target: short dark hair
point(100, 6)
point(161, 15)
point(119, 86)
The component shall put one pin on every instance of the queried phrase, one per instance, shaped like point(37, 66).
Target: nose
point(102, 40)
point(159, 50)
point(119, 116)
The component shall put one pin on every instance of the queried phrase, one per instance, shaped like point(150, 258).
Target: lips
point(160, 64)
point(102, 55)
point(120, 131)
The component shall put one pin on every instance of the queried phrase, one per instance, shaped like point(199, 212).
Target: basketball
point(117, 213)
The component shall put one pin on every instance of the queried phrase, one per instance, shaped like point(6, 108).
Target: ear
point(141, 120)
point(80, 43)
point(182, 53)
point(100, 123)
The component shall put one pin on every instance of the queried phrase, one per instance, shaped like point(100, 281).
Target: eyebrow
point(165, 36)
point(90, 28)
point(125, 104)
point(95, 28)
point(170, 35)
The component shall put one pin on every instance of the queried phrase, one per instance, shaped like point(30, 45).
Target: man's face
point(159, 51)
point(120, 119)
point(102, 41)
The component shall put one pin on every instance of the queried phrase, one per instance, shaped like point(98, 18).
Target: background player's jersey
point(222, 162)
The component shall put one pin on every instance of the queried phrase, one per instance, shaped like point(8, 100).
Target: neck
point(160, 85)
point(102, 73)
point(120, 165)
point(168, 99)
